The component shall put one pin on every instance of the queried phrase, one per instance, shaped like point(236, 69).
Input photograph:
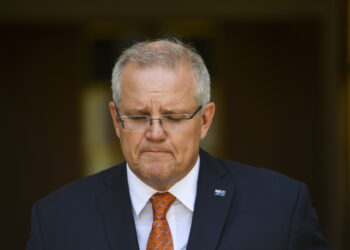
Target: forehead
point(157, 85)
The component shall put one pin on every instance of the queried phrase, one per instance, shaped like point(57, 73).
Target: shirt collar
point(184, 190)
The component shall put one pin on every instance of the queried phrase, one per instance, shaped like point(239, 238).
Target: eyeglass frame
point(150, 118)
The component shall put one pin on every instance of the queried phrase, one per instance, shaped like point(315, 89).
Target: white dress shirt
point(179, 215)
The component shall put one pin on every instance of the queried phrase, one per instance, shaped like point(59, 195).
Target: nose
point(155, 131)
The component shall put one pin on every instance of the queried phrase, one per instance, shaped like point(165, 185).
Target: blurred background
point(280, 78)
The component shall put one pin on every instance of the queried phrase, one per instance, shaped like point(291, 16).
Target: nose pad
point(156, 128)
point(153, 124)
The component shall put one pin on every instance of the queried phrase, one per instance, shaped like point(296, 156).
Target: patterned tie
point(160, 236)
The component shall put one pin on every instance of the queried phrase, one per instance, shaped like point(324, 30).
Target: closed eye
point(137, 118)
point(175, 117)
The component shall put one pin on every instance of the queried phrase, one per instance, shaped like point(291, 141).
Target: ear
point(207, 118)
point(113, 111)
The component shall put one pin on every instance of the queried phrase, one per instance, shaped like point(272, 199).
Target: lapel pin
point(219, 192)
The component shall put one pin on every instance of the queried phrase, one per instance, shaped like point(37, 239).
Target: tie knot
point(161, 203)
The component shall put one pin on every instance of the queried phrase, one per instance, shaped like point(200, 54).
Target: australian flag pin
point(219, 192)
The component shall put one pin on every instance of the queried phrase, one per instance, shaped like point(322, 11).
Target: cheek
point(188, 141)
point(130, 144)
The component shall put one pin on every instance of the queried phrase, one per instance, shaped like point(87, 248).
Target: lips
point(155, 151)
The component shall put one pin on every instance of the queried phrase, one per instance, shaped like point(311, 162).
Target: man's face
point(159, 157)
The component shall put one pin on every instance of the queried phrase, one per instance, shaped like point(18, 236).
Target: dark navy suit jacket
point(252, 209)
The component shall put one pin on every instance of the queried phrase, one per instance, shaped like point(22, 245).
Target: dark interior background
point(279, 78)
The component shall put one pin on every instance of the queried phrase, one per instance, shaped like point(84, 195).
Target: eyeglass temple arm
point(118, 114)
point(195, 112)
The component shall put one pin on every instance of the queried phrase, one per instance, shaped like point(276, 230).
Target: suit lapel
point(116, 211)
point(214, 197)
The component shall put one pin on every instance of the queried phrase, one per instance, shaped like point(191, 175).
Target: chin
point(155, 167)
point(156, 170)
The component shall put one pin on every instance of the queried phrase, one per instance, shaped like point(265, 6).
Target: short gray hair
point(168, 53)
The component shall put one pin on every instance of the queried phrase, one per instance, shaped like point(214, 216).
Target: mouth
point(155, 152)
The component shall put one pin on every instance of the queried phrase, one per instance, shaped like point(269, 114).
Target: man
point(170, 194)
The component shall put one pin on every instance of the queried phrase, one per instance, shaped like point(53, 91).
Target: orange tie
point(160, 235)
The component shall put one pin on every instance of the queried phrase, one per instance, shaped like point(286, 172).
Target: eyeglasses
point(141, 123)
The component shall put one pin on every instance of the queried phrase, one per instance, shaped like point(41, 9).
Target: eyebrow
point(134, 111)
point(174, 111)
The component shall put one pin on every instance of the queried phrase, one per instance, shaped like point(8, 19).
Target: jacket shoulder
point(262, 180)
point(81, 189)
